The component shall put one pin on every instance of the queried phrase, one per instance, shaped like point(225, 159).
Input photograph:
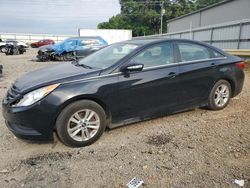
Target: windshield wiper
point(76, 63)
point(85, 66)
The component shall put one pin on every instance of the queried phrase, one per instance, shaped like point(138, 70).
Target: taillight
point(240, 65)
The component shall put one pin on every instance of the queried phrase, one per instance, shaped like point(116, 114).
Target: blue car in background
point(71, 48)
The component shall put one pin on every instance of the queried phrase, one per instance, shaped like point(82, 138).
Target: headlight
point(34, 96)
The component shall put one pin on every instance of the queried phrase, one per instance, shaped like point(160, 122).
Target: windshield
point(107, 56)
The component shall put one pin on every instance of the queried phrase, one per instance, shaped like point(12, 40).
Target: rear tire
point(220, 95)
point(81, 123)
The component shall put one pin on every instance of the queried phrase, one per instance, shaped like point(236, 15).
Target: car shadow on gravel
point(38, 142)
point(155, 118)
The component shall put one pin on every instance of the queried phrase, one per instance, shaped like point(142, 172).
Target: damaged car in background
point(4, 45)
point(14, 48)
point(71, 48)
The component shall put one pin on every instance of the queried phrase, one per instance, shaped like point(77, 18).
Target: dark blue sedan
point(120, 84)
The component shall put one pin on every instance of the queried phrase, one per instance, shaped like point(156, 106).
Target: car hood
point(46, 47)
point(51, 75)
point(22, 44)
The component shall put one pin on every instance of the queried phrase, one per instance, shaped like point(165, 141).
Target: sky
point(54, 16)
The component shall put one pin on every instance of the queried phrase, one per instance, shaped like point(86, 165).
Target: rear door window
point(193, 52)
point(217, 54)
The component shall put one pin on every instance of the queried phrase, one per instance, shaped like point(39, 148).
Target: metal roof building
point(226, 11)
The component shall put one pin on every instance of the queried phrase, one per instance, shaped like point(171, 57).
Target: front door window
point(157, 55)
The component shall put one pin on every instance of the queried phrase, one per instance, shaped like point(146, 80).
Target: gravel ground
point(198, 148)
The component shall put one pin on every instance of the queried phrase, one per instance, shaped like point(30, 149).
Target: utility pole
point(162, 13)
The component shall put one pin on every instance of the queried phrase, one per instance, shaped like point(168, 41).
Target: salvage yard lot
point(198, 148)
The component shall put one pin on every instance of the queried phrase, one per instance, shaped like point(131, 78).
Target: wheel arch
point(231, 82)
point(86, 97)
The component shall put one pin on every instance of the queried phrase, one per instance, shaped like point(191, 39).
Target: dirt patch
point(35, 160)
point(158, 140)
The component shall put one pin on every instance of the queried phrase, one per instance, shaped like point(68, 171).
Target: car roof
point(152, 40)
point(143, 41)
point(148, 40)
point(86, 37)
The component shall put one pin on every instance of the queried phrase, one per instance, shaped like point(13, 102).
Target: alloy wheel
point(83, 125)
point(221, 95)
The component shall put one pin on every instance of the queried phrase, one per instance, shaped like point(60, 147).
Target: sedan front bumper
point(29, 122)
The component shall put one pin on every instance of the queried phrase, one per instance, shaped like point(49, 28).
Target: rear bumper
point(239, 83)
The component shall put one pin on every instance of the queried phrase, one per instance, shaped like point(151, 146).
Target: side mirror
point(132, 68)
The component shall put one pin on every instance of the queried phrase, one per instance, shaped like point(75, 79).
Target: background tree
point(204, 3)
point(143, 16)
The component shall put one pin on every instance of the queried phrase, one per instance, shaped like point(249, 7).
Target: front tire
point(220, 95)
point(3, 49)
point(81, 123)
point(68, 56)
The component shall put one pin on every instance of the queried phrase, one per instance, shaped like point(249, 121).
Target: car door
point(153, 90)
point(197, 72)
point(41, 43)
point(80, 50)
point(85, 47)
point(45, 42)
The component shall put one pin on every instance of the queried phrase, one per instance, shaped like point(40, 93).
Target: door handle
point(213, 65)
point(172, 74)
